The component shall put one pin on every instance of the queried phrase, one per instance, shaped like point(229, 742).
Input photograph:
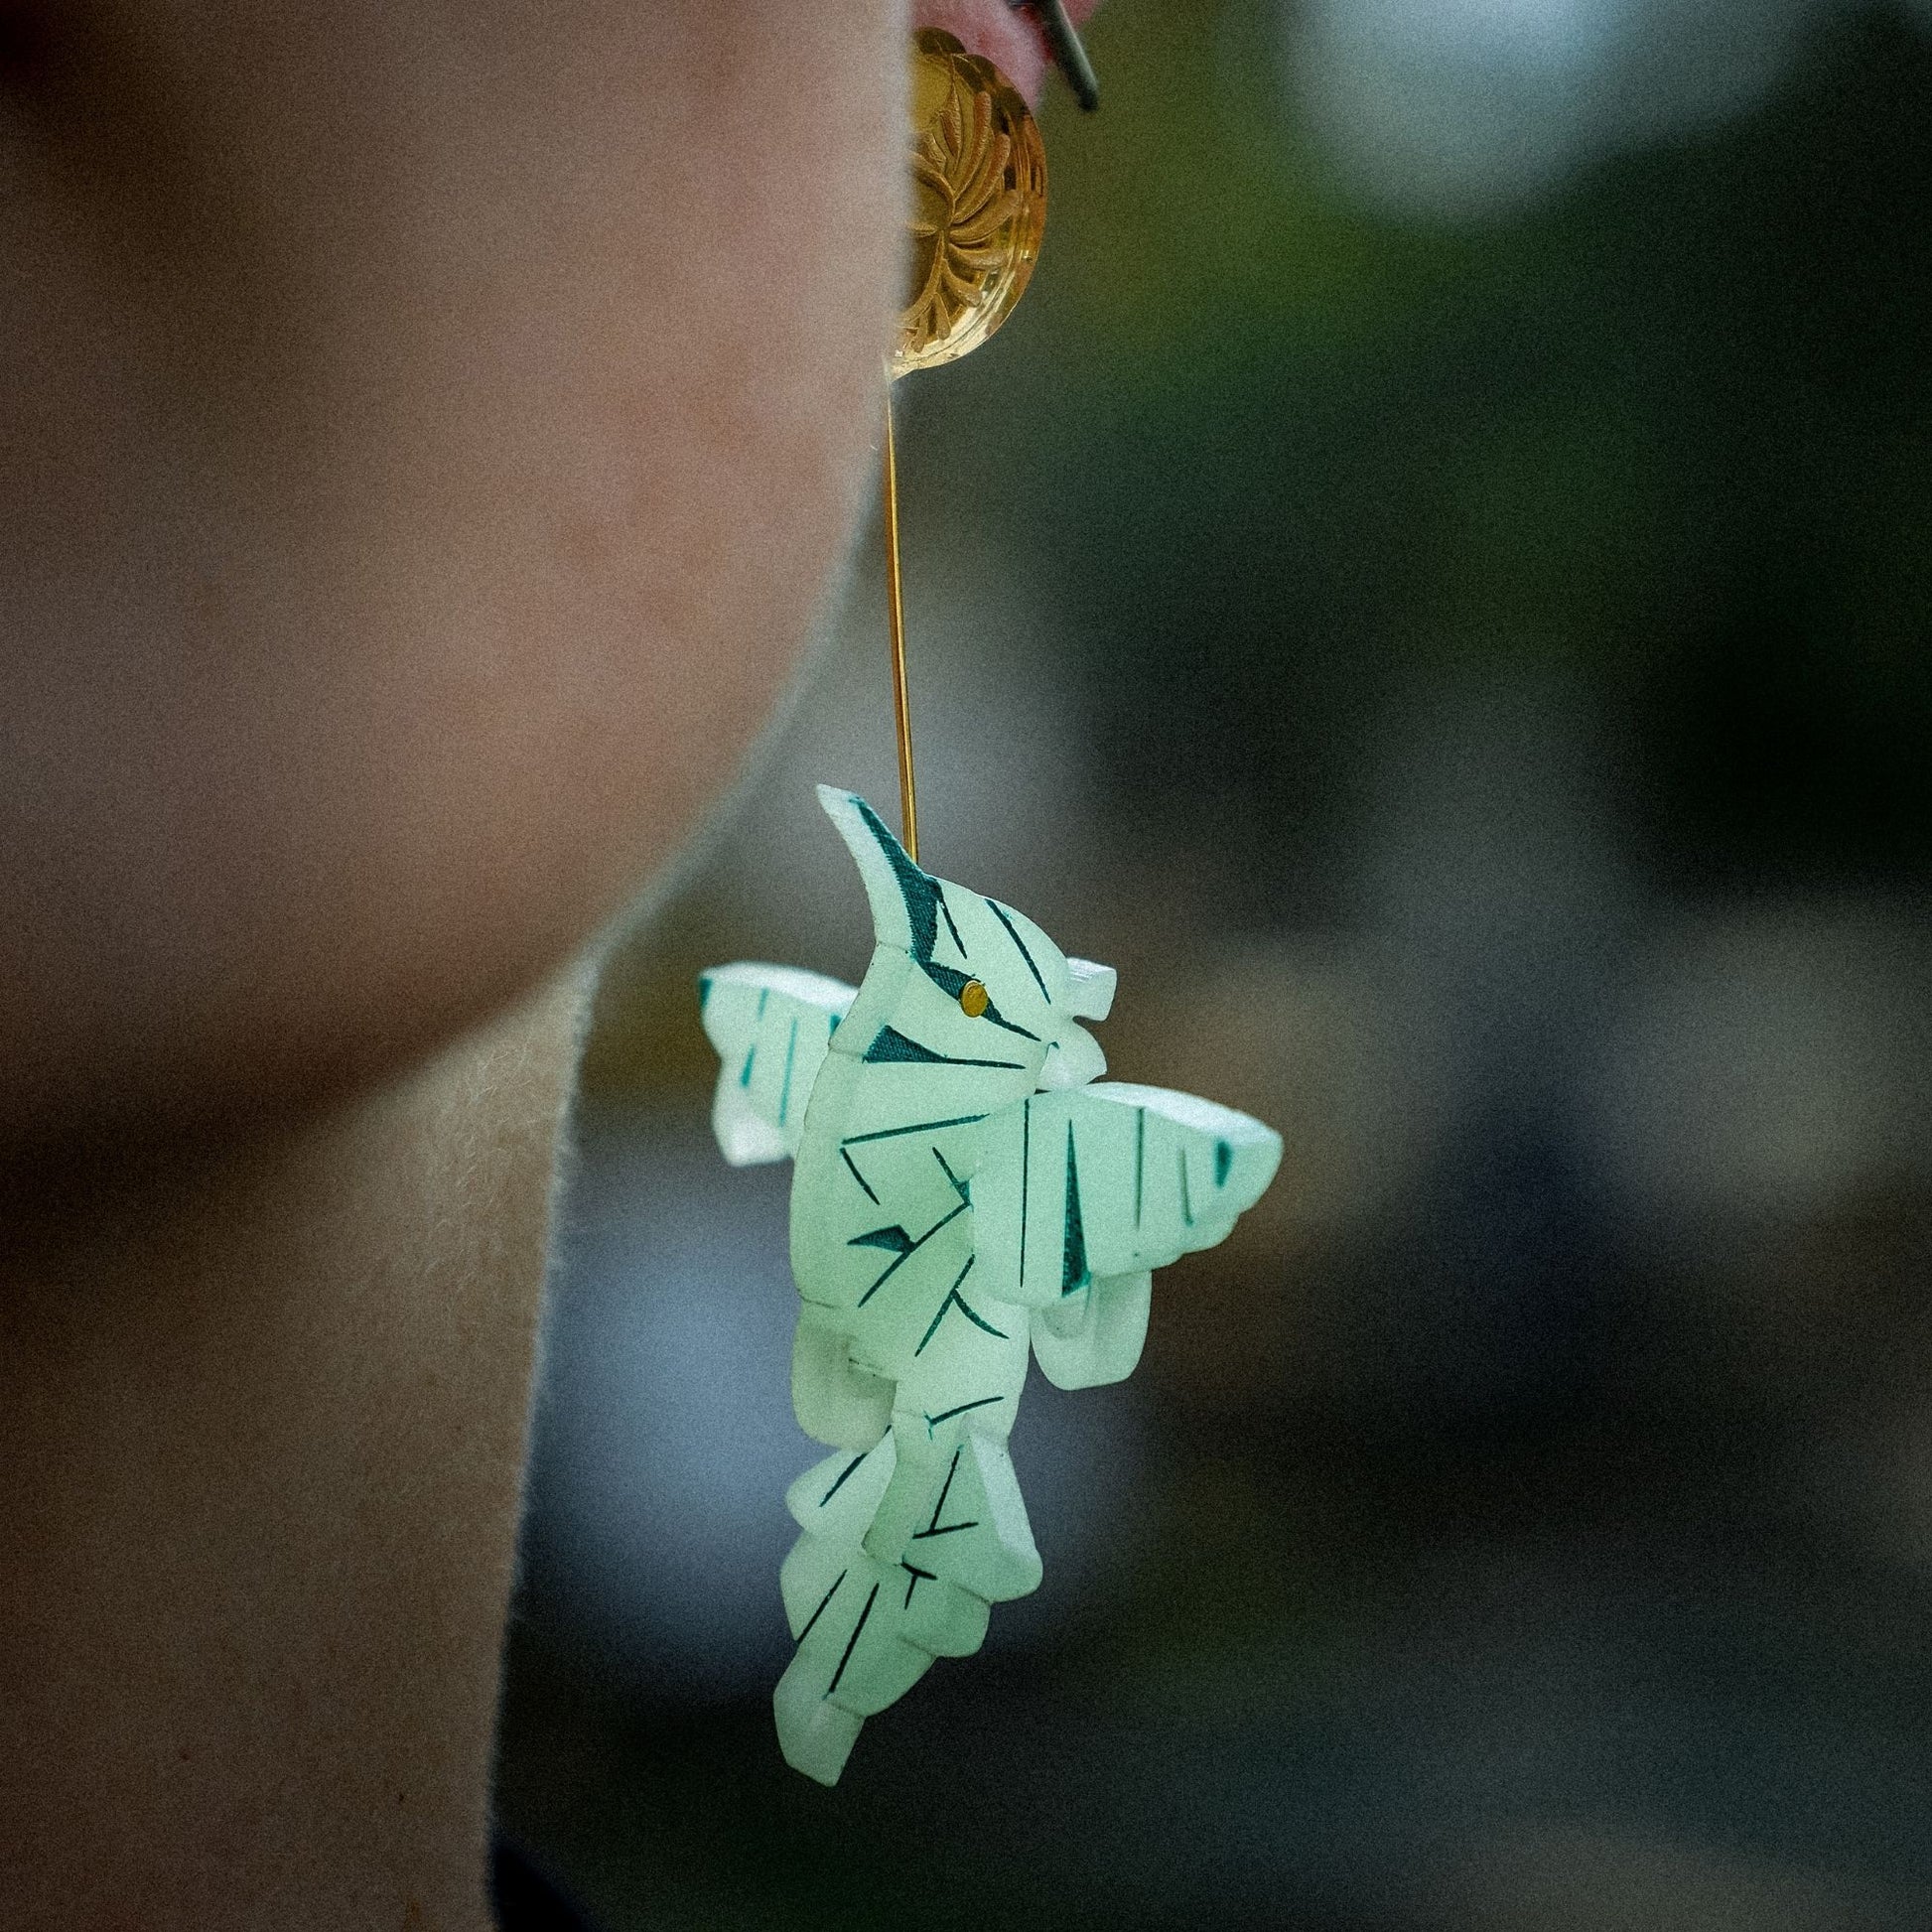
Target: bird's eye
point(972, 999)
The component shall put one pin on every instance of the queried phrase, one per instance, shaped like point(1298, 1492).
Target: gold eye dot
point(972, 999)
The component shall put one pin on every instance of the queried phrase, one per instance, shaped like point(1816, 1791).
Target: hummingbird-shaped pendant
point(967, 1192)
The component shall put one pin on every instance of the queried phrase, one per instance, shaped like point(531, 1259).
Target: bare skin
point(443, 417)
point(438, 424)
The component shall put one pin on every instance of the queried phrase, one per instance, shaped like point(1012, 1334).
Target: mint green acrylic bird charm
point(965, 1191)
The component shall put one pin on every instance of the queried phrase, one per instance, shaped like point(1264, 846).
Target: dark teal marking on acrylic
point(1187, 1207)
point(838, 1482)
point(704, 993)
point(765, 993)
point(745, 1072)
point(933, 1526)
point(945, 1488)
point(926, 906)
point(955, 1299)
point(915, 1578)
point(1140, 1158)
point(917, 1127)
point(919, 889)
point(1223, 1161)
point(852, 1643)
point(1025, 1135)
point(1073, 1251)
point(785, 1092)
point(948, 979)
point(896, 1260)
point(959, 1186)
point(952, 983)
point(890, 1045)
point(946, 1414)
point(822, 1602)
point(945, 1529)
point(858, 1178)
point(894, 1240)
point(945, 913)
point(1000, 914)
point(992, 1017)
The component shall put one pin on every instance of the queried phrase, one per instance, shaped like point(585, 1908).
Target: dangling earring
point(979, 210)
point(967, 1194)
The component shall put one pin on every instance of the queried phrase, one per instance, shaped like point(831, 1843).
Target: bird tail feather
point(900, 1557)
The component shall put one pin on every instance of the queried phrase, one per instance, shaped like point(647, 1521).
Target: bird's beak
point(1074, 1057)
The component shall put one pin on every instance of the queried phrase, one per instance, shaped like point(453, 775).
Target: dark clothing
point(524, 1900)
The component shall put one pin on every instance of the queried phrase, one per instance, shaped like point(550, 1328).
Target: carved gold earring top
point(979, 208)
point(979, 195)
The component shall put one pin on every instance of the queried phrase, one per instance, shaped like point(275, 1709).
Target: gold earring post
point(908, 810)
point(978, 209)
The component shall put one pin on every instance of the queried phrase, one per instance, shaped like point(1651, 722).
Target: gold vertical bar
point(909, 811)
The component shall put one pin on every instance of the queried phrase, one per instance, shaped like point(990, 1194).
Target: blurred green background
point(1433, 584)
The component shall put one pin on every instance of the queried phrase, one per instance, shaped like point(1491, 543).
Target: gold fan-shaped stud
point(979, 203)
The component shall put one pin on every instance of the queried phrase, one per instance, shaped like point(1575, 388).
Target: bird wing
point(1079, 1194)
point(771, 1026)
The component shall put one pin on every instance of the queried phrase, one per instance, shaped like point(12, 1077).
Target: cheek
point(422, 568)
point(626, 491)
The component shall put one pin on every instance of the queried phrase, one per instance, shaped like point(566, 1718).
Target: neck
point(263, 1427)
